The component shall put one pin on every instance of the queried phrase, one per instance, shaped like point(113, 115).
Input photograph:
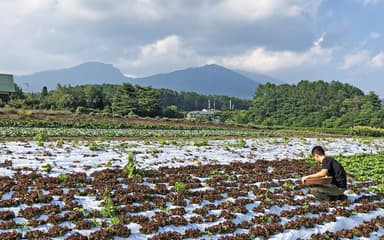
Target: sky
point(289, 40)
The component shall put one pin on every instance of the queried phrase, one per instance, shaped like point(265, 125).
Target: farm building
point(7, 86)
point(210, 114)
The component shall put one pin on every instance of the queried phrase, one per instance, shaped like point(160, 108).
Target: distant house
point(7, 86)
point(210, 114)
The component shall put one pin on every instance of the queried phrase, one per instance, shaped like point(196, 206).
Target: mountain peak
point(85, 73)
point(94, 63)
point(95, 66)
point(208, 79)
point(212, 66)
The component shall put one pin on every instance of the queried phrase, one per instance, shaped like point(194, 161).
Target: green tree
point(125, 100)
point(148, 102)
point(172, 112)
point(44, 92)
point(18, 94)
point(311, 104)
point(94, 96)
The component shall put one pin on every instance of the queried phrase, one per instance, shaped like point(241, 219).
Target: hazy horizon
point(289, 40)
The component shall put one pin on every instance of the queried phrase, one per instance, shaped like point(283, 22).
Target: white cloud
point(371, 2)
point(73, 10)
point(374, 35)
point(377, 62)
point(26, 60)
point(363, 60)
point(156, 10)
point(169, 46)
point(138, 11)
point(24, 25)
point(353, 59)
point(262, 60)
point(147, 10)
point(24, 7)
point(163, 55)
point(101, 10)
point(68, 12)
point(169, 53)
point(264, 9)
point(60, 33)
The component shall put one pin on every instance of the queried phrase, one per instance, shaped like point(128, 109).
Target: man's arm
point(319, 174)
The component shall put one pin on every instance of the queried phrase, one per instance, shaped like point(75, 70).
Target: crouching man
point(329, 167)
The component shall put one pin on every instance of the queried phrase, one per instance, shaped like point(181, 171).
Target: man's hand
point(303, 179)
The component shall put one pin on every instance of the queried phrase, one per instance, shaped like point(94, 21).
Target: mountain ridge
point(85, 73)
point(208, 79)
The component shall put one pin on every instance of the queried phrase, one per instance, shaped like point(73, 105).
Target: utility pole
point(26, 86)
point(113, 114)
point(209, 105)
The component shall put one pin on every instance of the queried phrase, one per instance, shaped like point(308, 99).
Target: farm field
point(179, 189)
point(140, 128)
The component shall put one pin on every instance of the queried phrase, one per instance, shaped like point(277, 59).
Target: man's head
point(318, 153)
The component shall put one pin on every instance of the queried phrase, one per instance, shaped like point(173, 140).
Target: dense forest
point(123, 100)
point(315, 104)
point(306, 104)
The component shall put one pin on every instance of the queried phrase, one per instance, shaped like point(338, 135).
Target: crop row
point(143, 132)
point(366, 167)
point(109, 124)
point(84, 132)
point(204, 200)
point(103, 124)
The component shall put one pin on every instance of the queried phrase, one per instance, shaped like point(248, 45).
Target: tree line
point(123, 100)
point(305, 104)
point(315, 104)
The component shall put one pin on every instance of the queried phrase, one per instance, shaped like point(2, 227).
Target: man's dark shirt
point(336, 171)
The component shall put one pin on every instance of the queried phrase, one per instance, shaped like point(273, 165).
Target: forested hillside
point(306, 104)
point(319, 104)
point(122, 100)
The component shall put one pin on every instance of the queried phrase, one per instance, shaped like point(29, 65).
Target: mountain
point(260, 78)
point(86, 73)
point(208, 79)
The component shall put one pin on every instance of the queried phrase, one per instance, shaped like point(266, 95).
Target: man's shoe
point(339, 197)
point(333, 198)
point(342, 197)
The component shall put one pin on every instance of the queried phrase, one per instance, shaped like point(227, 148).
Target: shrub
point(180, 186)
point(108, 210)
point(130, 168)
point(47, 167)
point(366, 131)
point(41, 137)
